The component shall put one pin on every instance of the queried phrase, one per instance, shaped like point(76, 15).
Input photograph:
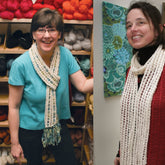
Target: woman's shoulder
point(64, 50)
point(23, 58)
point(22, 61)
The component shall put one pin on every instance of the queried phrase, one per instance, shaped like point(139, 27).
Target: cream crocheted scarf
point(51, 133)
point(136, 108)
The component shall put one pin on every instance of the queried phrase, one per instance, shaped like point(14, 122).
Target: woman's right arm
point(15, 97)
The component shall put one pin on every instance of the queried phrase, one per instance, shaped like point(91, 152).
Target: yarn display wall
point(70, 9)
point(77, 39)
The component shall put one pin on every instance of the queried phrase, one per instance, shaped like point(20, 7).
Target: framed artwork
point(117, 52)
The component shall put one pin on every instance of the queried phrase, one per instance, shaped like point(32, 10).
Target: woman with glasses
point(39, 94)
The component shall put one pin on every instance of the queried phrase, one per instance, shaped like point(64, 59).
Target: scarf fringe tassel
point(51, 135)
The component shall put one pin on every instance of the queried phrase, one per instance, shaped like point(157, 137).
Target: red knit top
point(156, 143)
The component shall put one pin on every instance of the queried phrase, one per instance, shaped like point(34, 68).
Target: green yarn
point(51, 135)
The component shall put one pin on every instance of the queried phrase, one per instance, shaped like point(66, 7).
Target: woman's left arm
point(82, 84)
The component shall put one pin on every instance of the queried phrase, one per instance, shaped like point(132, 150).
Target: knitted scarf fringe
point(136, 108)
point(51, 133)
point(51, 136)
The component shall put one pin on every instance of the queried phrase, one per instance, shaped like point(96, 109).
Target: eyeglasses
point(42, 31)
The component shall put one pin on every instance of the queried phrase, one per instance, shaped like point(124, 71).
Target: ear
point(161, 27)
point(34, 36)
point(59, 35)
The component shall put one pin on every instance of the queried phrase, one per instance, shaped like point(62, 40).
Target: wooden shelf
point(74, 126)
point(90, 132)
point(91, 109)
point(15, 20)
point(49, 160)
point(4, 79)
point(24, 20)
point(4, 123)
point(19, 50)
point(81, 52)
point(84, 163)
point(77, 104)
point(87, 152)
point(79, 22)
point(4, 99)
point(16, 50)
point(4, 145)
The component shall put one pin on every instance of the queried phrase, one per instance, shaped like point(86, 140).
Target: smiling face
point(46, 39)
point(140, 31)
point(47, 28)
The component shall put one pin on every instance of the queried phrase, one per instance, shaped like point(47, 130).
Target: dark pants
point(30, 141)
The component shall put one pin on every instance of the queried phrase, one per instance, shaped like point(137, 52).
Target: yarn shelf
point(75, 104)
point(8, 27)
point(3, 79)
point(87, 147)
point(22, 20)
point(19, 50)
point(4, 124)
point(4, 99)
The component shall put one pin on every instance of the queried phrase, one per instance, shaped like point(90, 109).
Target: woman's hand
point(117, 161)
point(17, 152)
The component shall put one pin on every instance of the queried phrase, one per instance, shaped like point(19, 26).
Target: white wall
point(106, 110)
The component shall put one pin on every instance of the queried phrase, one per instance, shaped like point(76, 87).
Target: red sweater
point(156, 143)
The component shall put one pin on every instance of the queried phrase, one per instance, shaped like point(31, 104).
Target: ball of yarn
point(70, 47)
point(12, 5)
point(79, 35)
point(72, 37)
point(2, 38)
point(86, 44)
point(78, 97)
point(77, 46)
point(25, 41)
point(68, 7)
point(26, 5)
point(3, 5)
point(66, 37)
point(3, 68)
point(13, 40)
point(85, 64)
point(67, 16)
point(7, 15)
point(9, 63)
point(18, 14)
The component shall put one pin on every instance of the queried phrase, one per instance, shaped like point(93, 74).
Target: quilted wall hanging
point(117, 52)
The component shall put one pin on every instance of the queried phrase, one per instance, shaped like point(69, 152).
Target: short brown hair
point(47, 17)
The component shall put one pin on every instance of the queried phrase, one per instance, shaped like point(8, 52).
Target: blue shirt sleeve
point(73, 66)
point(16, 75)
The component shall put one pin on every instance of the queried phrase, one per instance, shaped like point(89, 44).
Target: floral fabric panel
point(117, 52)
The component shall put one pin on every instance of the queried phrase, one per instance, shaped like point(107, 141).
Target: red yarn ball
point(12, 5)
point(7, 15)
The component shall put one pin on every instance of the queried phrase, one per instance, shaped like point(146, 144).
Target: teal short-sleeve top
point(32, 107)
